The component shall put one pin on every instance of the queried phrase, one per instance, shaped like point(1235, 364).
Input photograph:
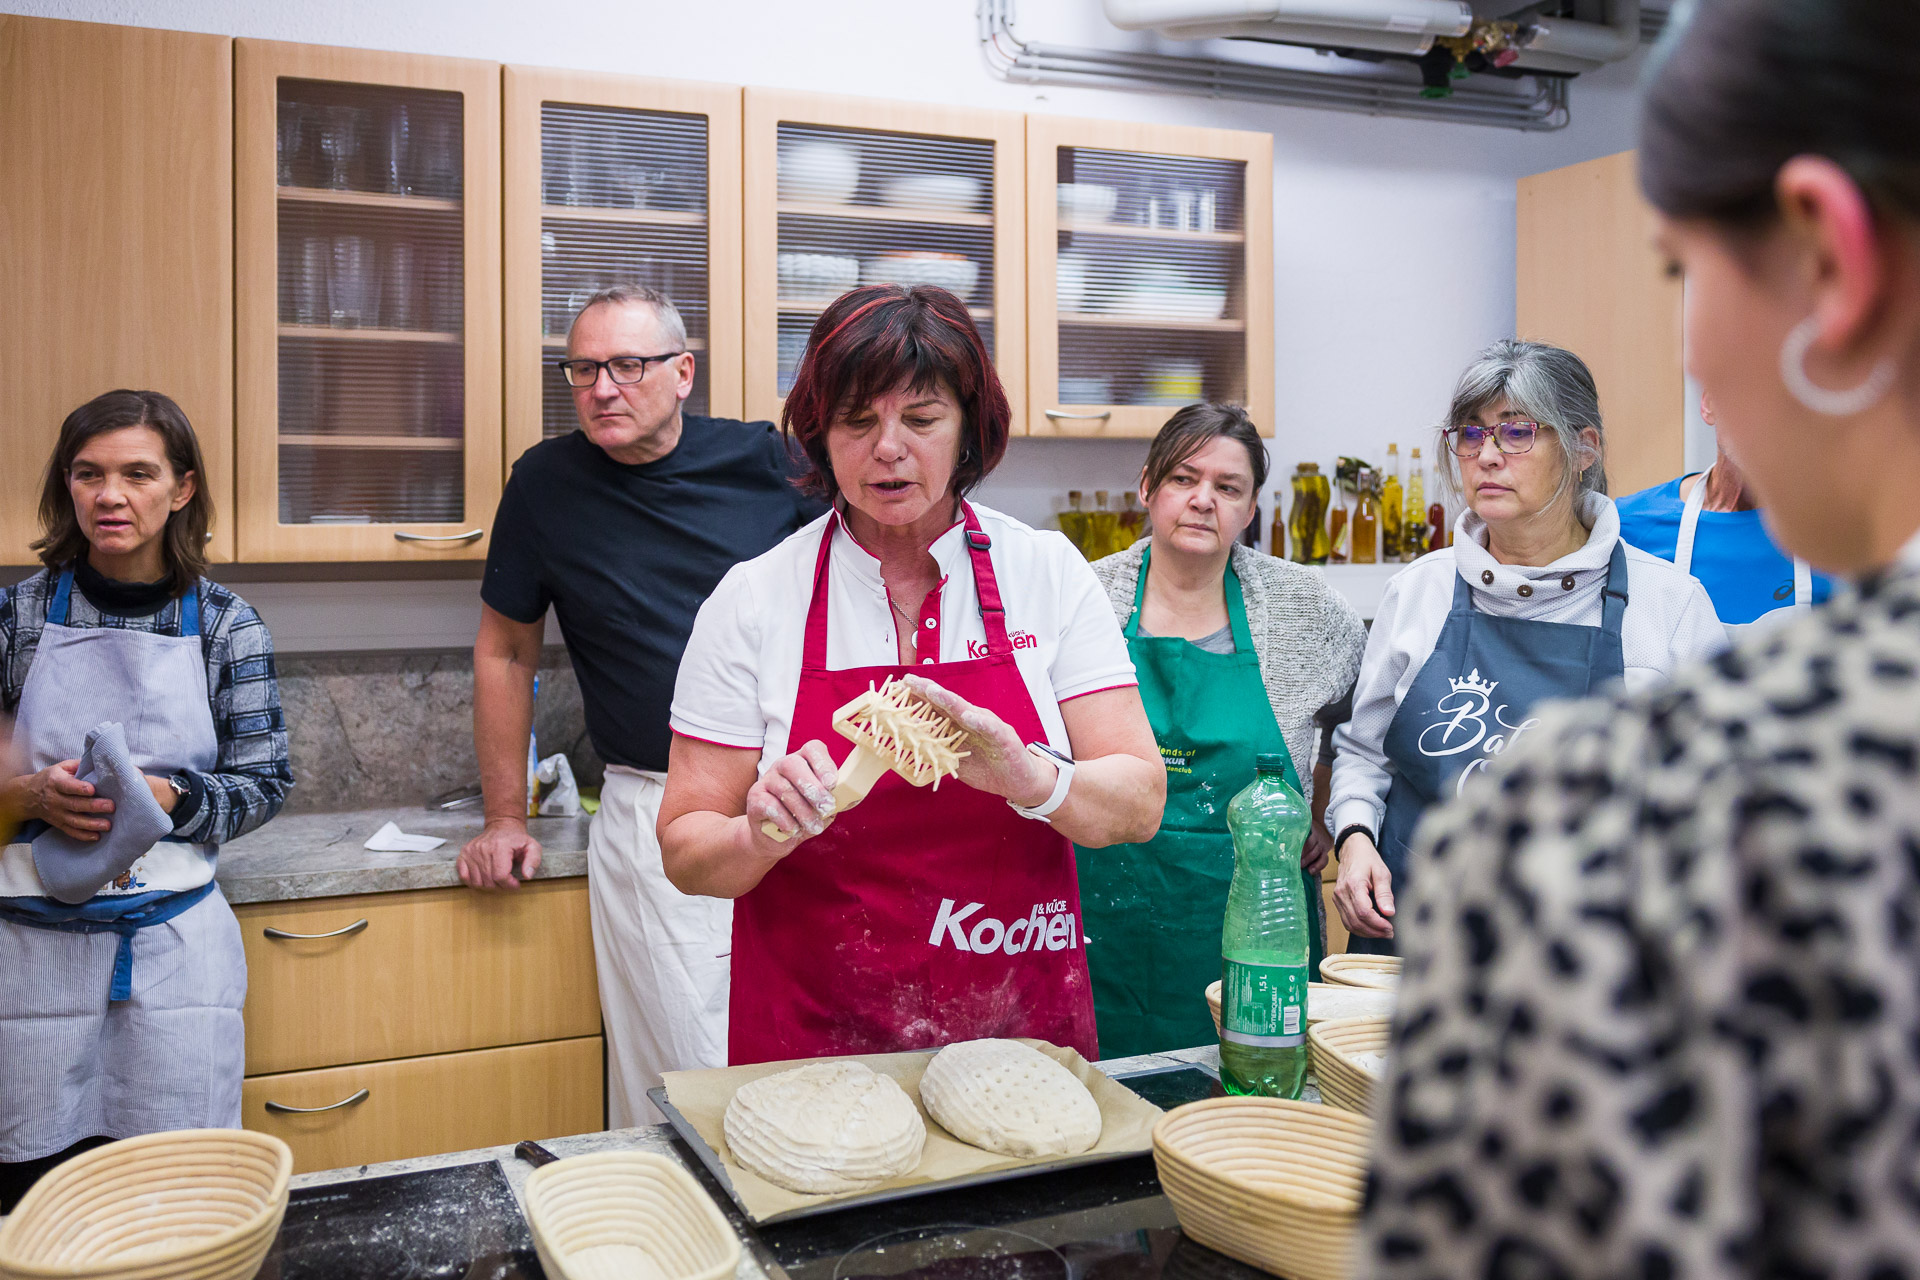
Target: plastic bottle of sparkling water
point(1263, 948)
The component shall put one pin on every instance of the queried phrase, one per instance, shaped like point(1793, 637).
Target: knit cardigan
point(1307, 637)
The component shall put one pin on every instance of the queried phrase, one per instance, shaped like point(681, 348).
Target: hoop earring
point(1831, 404)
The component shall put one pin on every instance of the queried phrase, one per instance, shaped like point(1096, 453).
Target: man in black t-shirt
point(623, 527)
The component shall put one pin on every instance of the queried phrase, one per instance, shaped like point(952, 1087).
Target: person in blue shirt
point(1708, 525)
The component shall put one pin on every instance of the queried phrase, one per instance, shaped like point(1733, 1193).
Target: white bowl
point(819, 172)
point(945, 192)
point(1072, 280)
point(810, 277)
point(1169, 304)
point(1087, 201)
point(951, 272)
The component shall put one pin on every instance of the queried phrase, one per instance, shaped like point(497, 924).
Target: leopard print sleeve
point(1661, 1013)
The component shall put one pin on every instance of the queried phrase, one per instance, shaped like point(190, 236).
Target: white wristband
point(1043, 811)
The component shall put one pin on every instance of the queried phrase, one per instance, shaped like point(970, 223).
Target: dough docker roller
point(892, 729)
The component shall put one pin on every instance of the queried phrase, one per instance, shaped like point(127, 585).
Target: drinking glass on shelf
point(396, 161)
point(350, 292)
point(341, 130)
point(310, 280)
point(400, 307)
point(291, 134)
point(438, 158)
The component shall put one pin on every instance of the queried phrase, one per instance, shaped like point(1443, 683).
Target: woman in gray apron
point(148, 720)
point(1538, 598)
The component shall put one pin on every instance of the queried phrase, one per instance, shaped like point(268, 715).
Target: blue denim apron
point(123, 1015)
point(1471, 701)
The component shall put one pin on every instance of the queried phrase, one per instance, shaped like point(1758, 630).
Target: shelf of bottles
point(371, 306)
point(1149, 274)
point(623, 201)
point(863, 206)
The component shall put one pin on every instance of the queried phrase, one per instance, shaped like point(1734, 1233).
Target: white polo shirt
point(741, 671)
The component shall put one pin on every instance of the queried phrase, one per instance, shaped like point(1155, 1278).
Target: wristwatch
point(1043, 812)
point(179, 785)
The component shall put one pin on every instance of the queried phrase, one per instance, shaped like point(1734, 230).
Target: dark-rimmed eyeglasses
point(624, 370)
point(1468, 440)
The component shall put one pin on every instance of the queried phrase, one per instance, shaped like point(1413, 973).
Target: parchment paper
point(702, 1097)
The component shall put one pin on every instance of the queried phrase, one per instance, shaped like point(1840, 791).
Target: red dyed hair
point(878, 338)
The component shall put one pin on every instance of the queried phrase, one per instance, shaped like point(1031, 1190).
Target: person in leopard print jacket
point(1660, 1016)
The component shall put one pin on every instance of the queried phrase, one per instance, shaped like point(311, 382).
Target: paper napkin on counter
point(391, 839)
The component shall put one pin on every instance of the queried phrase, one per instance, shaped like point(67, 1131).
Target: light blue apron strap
point(1237, 616)
point(1132, 629)
point(62, 594)
point(190, 611)
point(121, 989)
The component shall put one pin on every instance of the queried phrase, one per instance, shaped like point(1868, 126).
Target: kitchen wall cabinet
point(367, 303)
point(462, 1014)
point(116, 260)
point(1150, 260)
point(846, 191)
point(616, 180)
point(1589, 279)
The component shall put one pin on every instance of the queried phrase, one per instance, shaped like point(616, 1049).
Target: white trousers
point(663, 957)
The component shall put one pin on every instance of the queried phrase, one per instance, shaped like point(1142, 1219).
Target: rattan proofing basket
point(621, 1201)
point(1355, 970)
point(1313, 989)
point(192, 1204)
point(1269, 1181)
point(1330, 1049)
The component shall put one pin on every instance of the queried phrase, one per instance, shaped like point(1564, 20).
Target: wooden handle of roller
point(861, 769)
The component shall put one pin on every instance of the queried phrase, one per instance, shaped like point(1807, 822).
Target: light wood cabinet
point(1589, 279)
point(429, 971)
point(426, 1106)
point(616, 180)
point(367, 303)
point(1150, 259)
point(845, 191)
point(116, 243)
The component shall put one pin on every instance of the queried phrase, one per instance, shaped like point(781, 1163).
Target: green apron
point(1153, 912)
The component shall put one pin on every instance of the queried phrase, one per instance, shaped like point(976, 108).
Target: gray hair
point(671, 325)
point(1545, 384)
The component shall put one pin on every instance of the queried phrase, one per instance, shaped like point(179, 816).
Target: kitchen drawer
point(431, 971)
point(426, 1106)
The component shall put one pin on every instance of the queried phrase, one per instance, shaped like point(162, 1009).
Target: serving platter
point(1127, 1135)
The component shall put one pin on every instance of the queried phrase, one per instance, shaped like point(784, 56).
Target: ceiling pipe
point(1560, 44)
point(1406, 17)
point(1411, 44)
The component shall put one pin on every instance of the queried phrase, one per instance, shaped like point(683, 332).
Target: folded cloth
point(391, 839)
point(72, 870)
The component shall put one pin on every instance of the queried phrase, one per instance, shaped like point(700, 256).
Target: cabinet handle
point(471, 535)
point(283, 935)
point(1061, 416)
point(281, 1108)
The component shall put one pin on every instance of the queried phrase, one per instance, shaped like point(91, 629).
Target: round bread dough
point(1326, 1001)
point(1009, 1098)
point(825, 1128)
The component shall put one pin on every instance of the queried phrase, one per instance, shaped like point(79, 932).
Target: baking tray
point(710, 1158)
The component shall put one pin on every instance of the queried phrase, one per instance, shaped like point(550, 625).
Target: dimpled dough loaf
point(1005, 1097)
point(825, 1128)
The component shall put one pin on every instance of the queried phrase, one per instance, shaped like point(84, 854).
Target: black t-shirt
point(626, 555)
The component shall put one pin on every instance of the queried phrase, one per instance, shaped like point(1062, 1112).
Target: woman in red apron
point(921, 917)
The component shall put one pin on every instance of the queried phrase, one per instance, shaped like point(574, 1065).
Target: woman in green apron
point(1235, 653)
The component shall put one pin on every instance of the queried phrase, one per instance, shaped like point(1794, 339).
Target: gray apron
point(120, 1016)
point(1470, 702)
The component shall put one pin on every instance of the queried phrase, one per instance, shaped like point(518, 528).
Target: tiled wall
point(377, 729)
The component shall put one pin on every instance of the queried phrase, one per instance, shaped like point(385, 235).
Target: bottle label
point(1263, 1005)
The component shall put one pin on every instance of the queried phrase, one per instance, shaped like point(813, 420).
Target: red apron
point(921, 917)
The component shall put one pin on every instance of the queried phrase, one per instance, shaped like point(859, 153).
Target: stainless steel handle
point(283, 935)
point(471, 535)
point(282, 1108)
point(1061, 416)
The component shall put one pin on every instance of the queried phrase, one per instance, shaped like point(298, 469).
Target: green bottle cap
point(1264, 763)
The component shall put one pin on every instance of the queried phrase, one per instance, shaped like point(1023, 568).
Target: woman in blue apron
point(1538, 598)
point(1235, 653)
point(148, 726)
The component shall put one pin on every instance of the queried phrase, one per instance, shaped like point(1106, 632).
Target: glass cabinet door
point(1152, 274)
point(612, 180)
point(367, 304)
point(842, 192)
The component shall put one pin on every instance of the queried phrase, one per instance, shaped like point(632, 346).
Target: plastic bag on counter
point(559, 797)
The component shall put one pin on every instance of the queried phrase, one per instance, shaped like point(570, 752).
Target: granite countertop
point(754, 1265)
point(320, 855)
